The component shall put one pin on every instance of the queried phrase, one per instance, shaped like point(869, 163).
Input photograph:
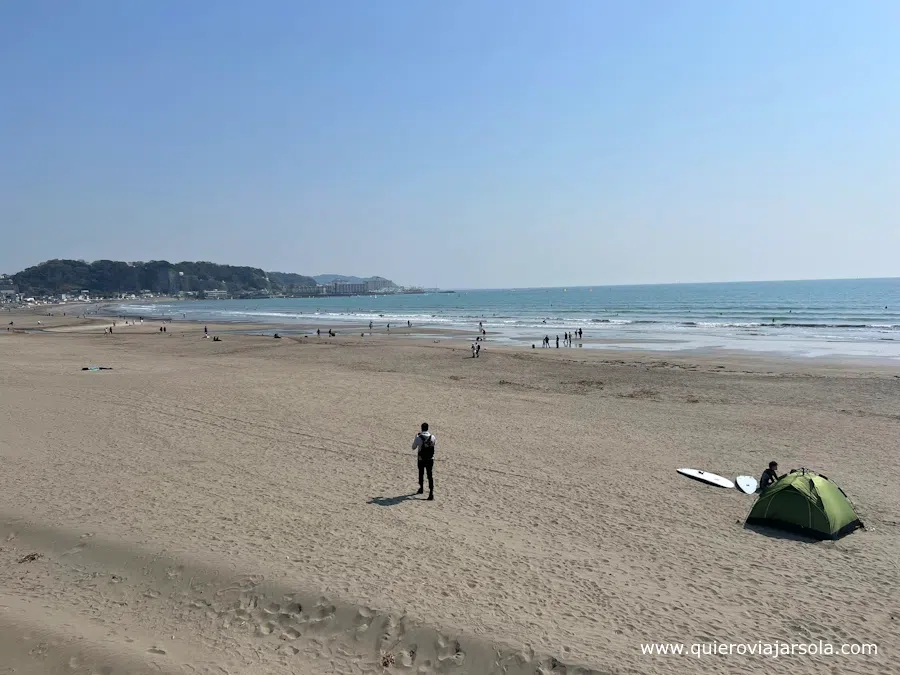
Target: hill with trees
point(112, 277)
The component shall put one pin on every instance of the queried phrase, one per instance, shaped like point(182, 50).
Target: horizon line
point(665, 283)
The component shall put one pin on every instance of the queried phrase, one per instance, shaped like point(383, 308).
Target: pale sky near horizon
point(456, 144)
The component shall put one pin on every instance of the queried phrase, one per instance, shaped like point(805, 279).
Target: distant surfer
point(769, 476)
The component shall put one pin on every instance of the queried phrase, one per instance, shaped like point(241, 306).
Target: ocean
point(859, 318)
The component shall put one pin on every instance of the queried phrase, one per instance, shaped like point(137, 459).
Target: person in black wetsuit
point(769, 476)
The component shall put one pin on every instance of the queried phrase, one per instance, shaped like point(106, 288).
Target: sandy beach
point(246, 506)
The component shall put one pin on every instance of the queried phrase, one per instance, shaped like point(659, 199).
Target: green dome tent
point(806, 503)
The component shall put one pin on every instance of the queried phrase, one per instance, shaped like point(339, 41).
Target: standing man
point(423, 444)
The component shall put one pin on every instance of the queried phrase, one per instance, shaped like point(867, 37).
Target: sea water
point(808, 318)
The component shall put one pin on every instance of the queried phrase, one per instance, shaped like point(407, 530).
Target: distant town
point(59, 281)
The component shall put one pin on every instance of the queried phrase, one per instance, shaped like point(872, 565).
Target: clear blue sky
point(458, 144)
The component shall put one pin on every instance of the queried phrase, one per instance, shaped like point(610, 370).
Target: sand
point(246, 506)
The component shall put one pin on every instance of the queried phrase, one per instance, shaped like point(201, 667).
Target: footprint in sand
point(408, 657)
point(266, 628)
point(290, 634)
point(157, 650)
point(174, 572)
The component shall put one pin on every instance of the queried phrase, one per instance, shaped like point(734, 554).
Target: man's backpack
point(426, 449)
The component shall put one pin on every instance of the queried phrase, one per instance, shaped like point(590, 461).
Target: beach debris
point(387, 659)
point(31, 557)
point(96, 368)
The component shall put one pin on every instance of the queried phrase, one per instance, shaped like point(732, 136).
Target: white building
point(348, 288)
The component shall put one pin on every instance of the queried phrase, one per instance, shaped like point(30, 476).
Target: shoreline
point(777, 341)
point(634, 350)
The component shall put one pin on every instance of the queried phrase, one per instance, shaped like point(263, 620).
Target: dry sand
point(244, 506)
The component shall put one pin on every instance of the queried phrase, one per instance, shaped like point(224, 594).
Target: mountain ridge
point(111, 277)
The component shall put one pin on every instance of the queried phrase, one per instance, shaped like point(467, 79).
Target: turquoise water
point(812, 318)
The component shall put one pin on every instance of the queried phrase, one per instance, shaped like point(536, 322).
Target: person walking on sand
point(473, 350)
point(423, 444)
point(478, 351)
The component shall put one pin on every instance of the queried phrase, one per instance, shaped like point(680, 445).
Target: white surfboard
point(706, 477)
point(746, 484)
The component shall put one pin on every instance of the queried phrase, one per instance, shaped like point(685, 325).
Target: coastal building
point(216, 295)
point(377, 284)
point(348, 288)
